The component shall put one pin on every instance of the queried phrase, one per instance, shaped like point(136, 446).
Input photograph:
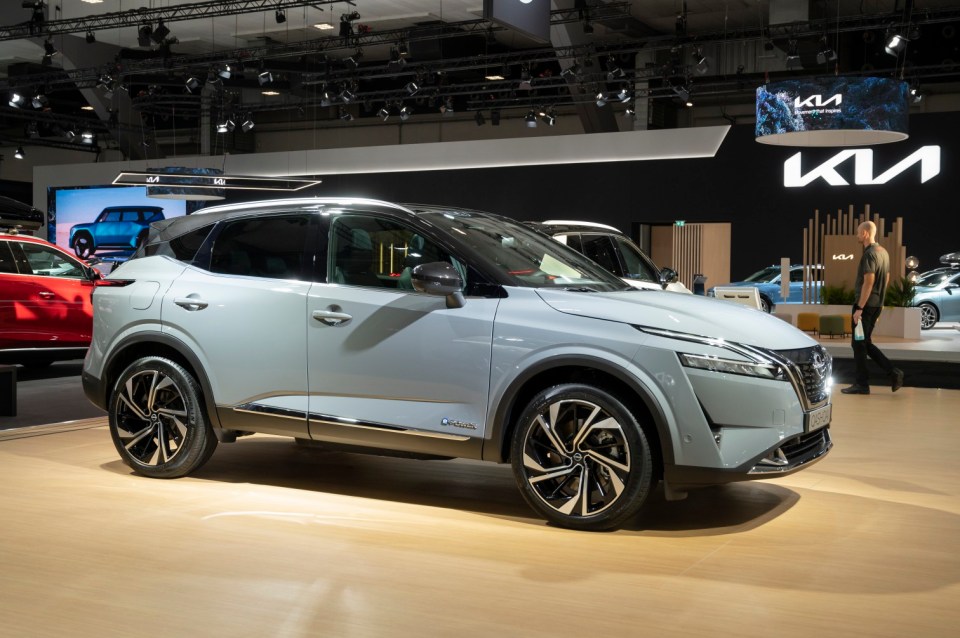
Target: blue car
point(938, 296)
point(767, 283)
point(117, 227)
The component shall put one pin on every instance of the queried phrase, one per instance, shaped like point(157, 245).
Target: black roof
point(133, 207)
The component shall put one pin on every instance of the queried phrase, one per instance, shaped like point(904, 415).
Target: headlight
point(746, 368)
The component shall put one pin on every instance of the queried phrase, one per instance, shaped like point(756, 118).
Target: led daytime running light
point(729, 366)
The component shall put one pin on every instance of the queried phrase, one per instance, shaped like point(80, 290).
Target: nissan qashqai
point(441, 332)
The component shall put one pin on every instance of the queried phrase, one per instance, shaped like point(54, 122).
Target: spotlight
point(345, 116)
point(547, 117)
point(630, 112)
point(88, 137)
point(402, 49)
point(383, 113)
point(17, 100)
point(624, 95)
point(615, 73)
point(396, 58)
point(793, 55)
point(280, 16)
point(479, 119)
point(104, 81)
point(48, 49)
point(70, 134)
point(826, 54)
point(531, 119)
point(247, 125)
point(495, 117)
point(91, 38)
point(447, 107)
point(412, 87)
point(347, 96)
point(601, 99)
point(160, 32)
point(32, 131)
point(19, 153)
point(265, 77)
point(683, 93)
point(40, 101)
point(226, 126)
point(224, 71)
point(143, 35)
point(192, 83)
point(916, 96)
point(526, 81)
point(213, 79)
point(571, 71)
point(700, 62)
point(895, 43)
point(405, 113)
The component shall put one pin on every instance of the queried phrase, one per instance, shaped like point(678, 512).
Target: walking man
point(873, 275)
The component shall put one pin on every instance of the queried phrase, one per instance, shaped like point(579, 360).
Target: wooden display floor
point(275, 539)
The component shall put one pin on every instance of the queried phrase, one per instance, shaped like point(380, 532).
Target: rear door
point(245, 314)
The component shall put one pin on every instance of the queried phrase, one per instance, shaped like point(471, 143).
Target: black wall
point(743, 184)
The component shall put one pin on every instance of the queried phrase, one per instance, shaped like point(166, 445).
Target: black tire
point(765, 305)
point(83, 245)
point(157, 419)
point(572, 431)
point(929, 316)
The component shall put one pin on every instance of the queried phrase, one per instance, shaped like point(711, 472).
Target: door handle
point(46, 295)
point(190, 303)
point(331, 317)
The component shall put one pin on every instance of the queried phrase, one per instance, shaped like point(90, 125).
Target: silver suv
point(436, 333)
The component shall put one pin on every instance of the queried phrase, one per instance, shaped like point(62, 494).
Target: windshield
point(766, 275)
point(526, 257)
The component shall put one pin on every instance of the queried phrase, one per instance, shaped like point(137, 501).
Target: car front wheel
point(928, 316)
point(83, 245)
point(765, 304)
point(580, 458)
point(157, 419)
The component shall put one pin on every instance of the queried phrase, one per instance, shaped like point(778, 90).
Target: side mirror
point(439, 279)
point(668, 276)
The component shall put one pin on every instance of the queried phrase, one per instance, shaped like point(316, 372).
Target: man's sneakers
point(856, 389)
point(896, 379)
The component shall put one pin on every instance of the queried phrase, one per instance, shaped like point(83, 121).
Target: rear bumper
point(785, 458)
point(93, 388)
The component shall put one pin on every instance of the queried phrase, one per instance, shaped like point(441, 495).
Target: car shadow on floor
point(473, 486)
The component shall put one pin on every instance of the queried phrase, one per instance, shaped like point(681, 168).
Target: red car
point(45, 309)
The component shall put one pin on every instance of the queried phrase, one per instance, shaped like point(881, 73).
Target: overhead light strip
point(228, 182)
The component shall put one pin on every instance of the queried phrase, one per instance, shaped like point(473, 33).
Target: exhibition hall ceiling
point(136, 72)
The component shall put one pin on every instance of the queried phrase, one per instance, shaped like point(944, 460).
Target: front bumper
point(786, 457)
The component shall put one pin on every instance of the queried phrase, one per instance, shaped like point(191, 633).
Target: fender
point(494, 442)
point(173, 343)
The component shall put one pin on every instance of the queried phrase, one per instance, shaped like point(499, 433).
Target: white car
point(614, 251)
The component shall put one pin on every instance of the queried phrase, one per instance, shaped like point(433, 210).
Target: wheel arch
point(158, 344)
point(637, 398)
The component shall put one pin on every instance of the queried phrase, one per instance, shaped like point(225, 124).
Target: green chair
point(832, 326)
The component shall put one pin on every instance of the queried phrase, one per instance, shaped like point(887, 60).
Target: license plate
point(818, 418)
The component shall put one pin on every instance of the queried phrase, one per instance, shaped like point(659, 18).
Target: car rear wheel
point(83, 245)
point(765, 304)
point(580, 458)
point(929, 316)
point(157, 420)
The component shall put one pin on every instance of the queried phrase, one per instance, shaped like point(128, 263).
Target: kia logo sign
point(843, 257)
point(817, 101)
point(928, 157)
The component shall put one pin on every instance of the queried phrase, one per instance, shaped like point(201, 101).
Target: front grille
point(815, 366)
point(806, 445)
point(795, 453)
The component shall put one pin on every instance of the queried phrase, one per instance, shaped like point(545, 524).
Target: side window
point(7, 265)
point(374, 252)
point(599, 248)
point(636, 264)
point(573, 241)
point(112, 216)
point(271, 247)
point(796, 275)
point(47, 262)
point(130, 216)
point(183, 248)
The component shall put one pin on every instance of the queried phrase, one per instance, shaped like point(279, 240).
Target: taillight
point(113, 283)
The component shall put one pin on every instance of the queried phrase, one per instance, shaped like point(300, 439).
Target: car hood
point(691, 314)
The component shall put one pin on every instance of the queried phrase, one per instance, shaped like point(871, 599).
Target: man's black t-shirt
point(875, 259)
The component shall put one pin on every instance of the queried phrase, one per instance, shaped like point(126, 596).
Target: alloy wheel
point(83, 246)
point(576, 458)
point(928, 316)
point(151, 418)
